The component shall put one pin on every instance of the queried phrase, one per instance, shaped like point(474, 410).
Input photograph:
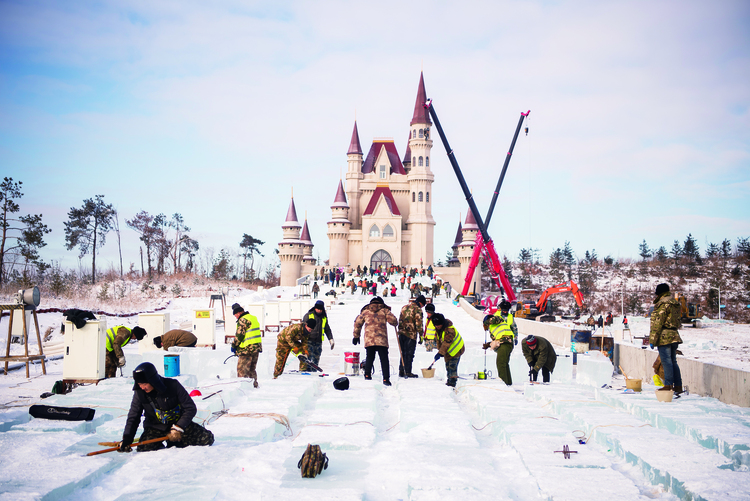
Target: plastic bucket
point(633, 384)
point(351, 363)
point(428, 373)
point(171, 365)
point(664, 396)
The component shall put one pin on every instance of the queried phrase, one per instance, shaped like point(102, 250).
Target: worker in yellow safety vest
point(504, 333)
point(450, 346)
point(117, 337)
point(247, 343)
point(430, 338)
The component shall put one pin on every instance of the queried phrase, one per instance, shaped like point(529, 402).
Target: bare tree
point(116, 226)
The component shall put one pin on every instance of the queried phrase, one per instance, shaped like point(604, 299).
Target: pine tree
point(712, 250)
point(676, 252)
point(249, 245)
point(644, 251)
point(661, 254)
point(87, 228)
point(690, 248)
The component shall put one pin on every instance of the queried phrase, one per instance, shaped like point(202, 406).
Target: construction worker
point(430, 339)
point(664, 334)
point(410, 325)
point(168, 411)
point(315, 341)
point(247, 343)
point(450, 346)
point(540, 355)
point(293, 338)
point(504, 333)
point(175, 337)
point(375, 317)
point(117, 337)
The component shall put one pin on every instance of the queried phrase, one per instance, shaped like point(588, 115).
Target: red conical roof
point(459, 235)
point(421, 114)
point(470, 223)
point(340, 200)
point(291, 216)
point(305, 237)
point(354, 147)
point(407, 155)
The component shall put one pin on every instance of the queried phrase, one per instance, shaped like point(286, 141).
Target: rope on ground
point(583, 433)
point(279, 418)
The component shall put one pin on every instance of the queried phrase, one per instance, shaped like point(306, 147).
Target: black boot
point(368, 377)
point(386, 382)
point(411, 374)
point(451, 382)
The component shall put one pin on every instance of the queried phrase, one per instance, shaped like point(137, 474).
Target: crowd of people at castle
point(377, 280)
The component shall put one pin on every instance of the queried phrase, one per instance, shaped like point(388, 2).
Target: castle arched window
point(427, 161)
point(427, 195)
point(414, 160)
point(414, 134)
point(421, 161)
point(421, 132)
point(374, 231)
point(388, 231)
point(382, 172)
point(413, 196)
point(420, 196)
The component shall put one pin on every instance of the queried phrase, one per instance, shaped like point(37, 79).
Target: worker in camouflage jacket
point(167, 409)
point(117, 338)
point(247, 343)
point(665, 322)
point(315, 342)
point(175, 337)
point(540, 355)
point(293, 338)
point(410, 325)
point(450, 346)
point(375, 318)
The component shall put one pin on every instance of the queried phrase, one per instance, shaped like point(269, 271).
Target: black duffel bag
point(62, 413)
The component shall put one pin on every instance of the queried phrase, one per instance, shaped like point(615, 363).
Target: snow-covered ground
point(418, 439)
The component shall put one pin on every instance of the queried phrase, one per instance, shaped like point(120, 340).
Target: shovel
point(111, 449)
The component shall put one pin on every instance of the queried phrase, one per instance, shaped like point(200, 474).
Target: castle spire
point(459, 235)
point(305, 237)
point(340, 200)
point(421, 115)
point(354, 147)
point(291, 216)
point(470, 223)
point(407, 156)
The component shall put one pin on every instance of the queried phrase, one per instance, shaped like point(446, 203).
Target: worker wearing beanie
point(450, 346)
point(117, 337)
point(375, 318)
point(168, 411)
point(315, 342)
point(664, 334)
point(430, 340)
point(294, 338)
point(247, 343)
point(504, 333)
point(540, 355)
point(410, 325)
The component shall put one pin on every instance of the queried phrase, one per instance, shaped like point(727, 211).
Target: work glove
point(486, 346)
point(124, 446)
point(438, 356)
point(333, 343)
point(515, 341)
point(175, 434)
point(234, 349)
point(121, 362)
point(652, 346)
point(420, 341)
point(533, 372)
point(355, 341)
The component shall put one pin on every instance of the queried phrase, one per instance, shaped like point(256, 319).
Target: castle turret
point(420, 179)
point(453, 261)
point(307, 250)
point(291, 249)
point(338, 227)
point(353, 177)
point(466, 250)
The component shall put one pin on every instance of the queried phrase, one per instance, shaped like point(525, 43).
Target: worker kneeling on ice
point(450, 346)
point(168, 410)
point(540, 355)
point(293, 338)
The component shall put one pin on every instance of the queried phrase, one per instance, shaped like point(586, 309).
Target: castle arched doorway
point(381, 257)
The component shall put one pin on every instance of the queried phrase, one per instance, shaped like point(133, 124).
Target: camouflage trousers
point(194, 434)
point(246, 366)
point(282, 353)
point(110, 365)
point(430, 344)
point(314, 350)
point(451, 367)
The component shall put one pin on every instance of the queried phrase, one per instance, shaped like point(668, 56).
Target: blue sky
point(639, 122)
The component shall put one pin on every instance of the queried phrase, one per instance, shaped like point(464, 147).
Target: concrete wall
point(731, 386)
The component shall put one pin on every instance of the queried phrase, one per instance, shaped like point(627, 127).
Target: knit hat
point(504, 306)
point(311, 322)
point(661, 289)
point(319, 305)
point(421, 300)
point(437, 319)
point(377, 300)
point(146, 373)
point(430, 308)
point(139, 332)
point(157, 342)
point(236, 308)
point(341, 383)
point(531, 342)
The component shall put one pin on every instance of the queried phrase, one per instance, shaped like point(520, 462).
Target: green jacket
point(543, 356)
point(665, 320)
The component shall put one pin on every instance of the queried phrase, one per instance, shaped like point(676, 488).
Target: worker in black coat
point(168, 410)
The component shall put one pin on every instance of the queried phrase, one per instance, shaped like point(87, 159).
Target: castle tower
point(291, 249)
point(307, 258)
point(353, 178)
point(339, 225)
point(420, 179)
point(466, 250)
point(453, 261)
